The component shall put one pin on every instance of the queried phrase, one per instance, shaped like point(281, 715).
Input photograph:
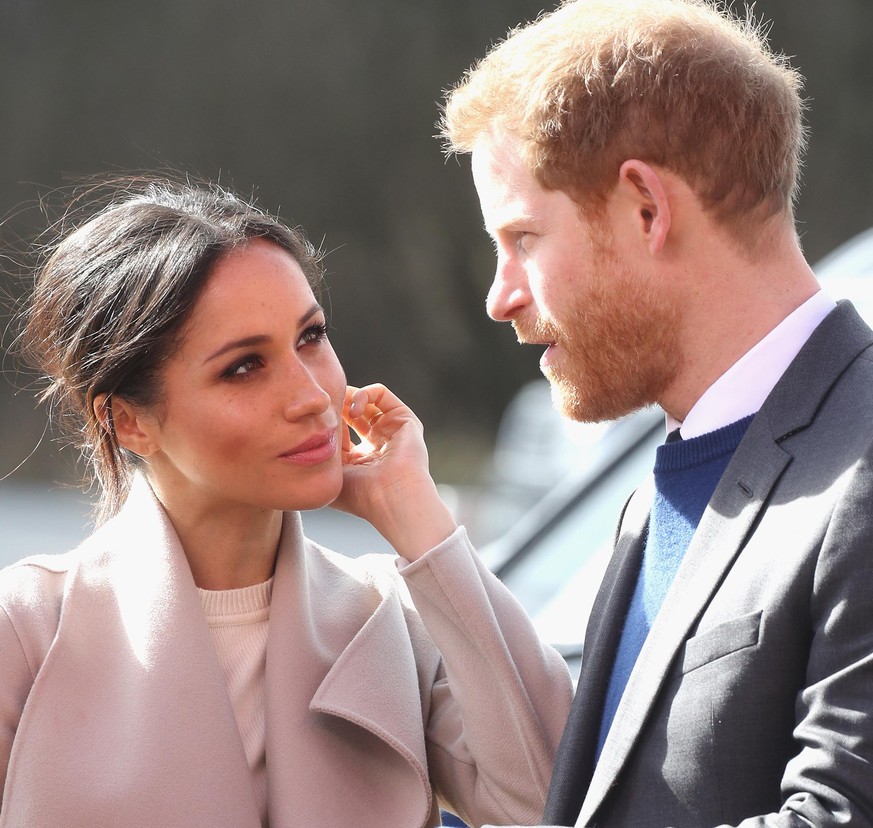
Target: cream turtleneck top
point(238, 620)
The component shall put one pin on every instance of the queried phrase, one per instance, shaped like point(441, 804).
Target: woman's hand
point(385, 477)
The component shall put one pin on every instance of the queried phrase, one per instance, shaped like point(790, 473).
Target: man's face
point(610, 334)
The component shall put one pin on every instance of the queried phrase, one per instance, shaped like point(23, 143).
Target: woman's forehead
point(250, 287)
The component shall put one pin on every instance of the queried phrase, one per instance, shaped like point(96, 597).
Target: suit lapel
point(726, 522)
point(574, 762)
point(730, 517)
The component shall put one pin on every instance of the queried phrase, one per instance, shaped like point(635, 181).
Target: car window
point(557, 578)
point(554, 557)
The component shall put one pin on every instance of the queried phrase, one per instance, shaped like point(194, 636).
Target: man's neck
point(737, 303)
point(742, 389)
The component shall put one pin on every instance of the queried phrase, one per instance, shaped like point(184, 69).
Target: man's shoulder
point(843, 339)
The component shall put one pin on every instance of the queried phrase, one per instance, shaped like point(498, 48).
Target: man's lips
point(540, 334)
point(549, 345)
point(548, 354)
point(536, 333)
point(316, 449)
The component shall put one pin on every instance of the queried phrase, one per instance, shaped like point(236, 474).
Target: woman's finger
point(379, 396)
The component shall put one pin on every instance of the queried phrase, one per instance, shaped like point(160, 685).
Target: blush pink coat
point(114, 710)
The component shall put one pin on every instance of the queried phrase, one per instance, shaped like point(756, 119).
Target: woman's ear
point(643, 185)
point(132, 428)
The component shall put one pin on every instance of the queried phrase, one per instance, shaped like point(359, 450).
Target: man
point(636, 164)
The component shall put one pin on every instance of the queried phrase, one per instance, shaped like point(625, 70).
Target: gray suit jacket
point(751, 702)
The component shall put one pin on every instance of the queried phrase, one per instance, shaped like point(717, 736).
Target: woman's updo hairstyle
point(113, 293)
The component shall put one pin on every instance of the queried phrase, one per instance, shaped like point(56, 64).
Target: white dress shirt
point(742, 389)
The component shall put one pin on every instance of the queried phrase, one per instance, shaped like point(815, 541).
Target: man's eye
point(524, 240)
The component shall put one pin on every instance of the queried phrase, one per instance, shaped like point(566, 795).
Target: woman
point(197, 661)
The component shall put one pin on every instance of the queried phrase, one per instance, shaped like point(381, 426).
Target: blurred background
point(326, 113)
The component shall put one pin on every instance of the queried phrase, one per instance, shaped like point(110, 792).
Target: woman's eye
point(243, 367)
point(314, 333)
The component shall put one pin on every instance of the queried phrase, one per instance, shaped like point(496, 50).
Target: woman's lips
point(317, 449)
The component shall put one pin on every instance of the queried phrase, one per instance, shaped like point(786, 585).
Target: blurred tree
point(326, 112)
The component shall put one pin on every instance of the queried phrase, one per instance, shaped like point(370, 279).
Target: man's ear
point(644, 187)
point(132, 428)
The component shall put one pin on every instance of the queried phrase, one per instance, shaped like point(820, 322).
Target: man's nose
point(509, 293)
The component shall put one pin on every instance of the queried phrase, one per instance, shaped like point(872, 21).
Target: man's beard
point(617, 345)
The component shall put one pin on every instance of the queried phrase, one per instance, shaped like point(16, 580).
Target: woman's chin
point(316, 496)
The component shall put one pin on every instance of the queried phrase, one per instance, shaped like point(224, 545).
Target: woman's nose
point(304, 395)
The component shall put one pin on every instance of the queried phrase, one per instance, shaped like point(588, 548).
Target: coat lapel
point(130, 703)
point(343, 718)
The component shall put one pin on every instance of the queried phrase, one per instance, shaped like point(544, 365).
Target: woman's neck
point(228, 546)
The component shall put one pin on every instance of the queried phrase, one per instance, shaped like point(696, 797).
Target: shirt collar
point(742, 389)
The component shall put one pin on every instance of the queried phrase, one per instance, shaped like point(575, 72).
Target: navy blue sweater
point(686, 474)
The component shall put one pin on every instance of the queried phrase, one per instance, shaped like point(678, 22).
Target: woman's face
point(250, 411)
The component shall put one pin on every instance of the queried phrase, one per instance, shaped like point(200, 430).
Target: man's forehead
point(496, 150)
point(507, 190)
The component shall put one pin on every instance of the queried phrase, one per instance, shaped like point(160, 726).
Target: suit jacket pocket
point(722, 640)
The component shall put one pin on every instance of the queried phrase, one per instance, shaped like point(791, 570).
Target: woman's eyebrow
point(316, 308)
point(261, 339)
point(245, 342)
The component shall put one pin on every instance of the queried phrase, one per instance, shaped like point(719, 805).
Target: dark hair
point(113, 294)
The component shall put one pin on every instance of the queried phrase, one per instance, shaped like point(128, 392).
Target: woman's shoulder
point(33, 587)
point(33, 579)
point(31, 597)
point(372, 568)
